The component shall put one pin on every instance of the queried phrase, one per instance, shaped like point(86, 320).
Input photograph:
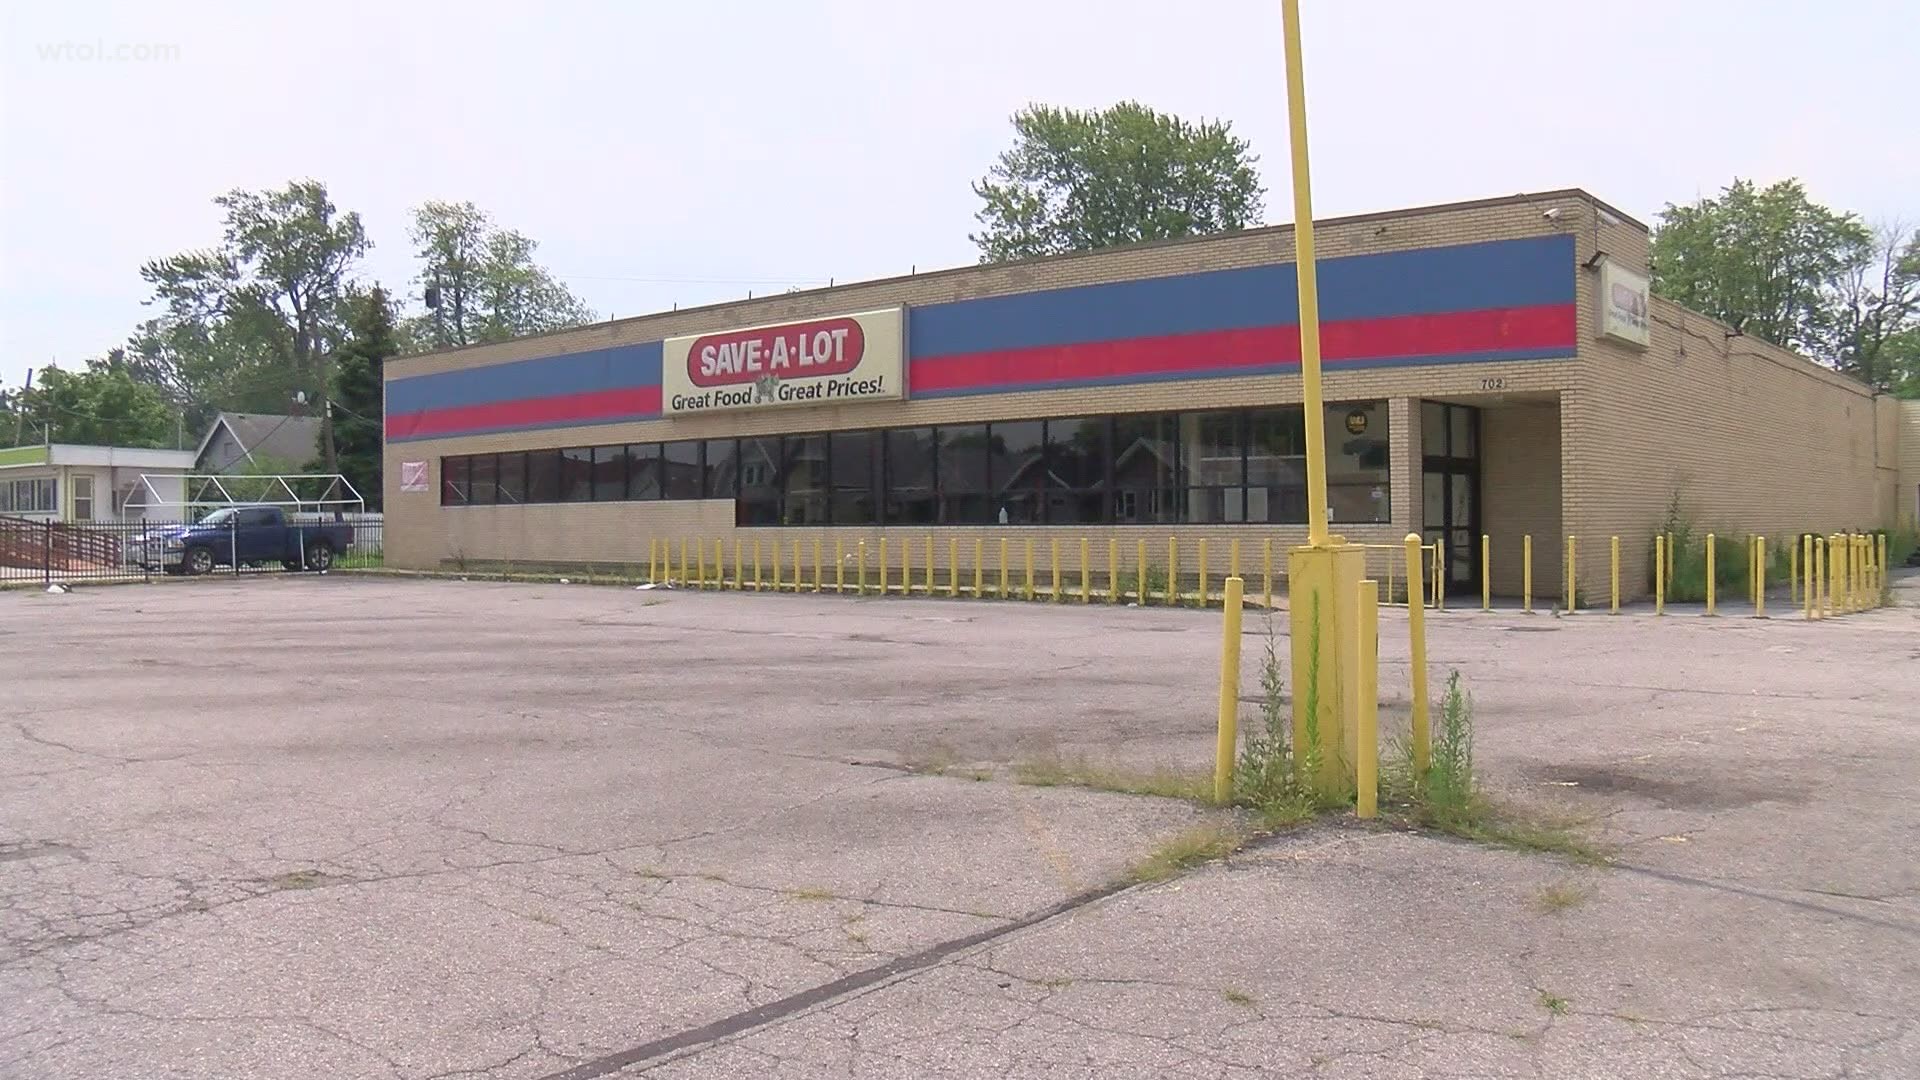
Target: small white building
point(80, 484)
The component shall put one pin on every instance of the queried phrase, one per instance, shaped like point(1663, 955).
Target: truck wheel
point(320, 556)
point(199, 561)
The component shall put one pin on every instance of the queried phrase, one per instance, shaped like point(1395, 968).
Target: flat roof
point(131, 457)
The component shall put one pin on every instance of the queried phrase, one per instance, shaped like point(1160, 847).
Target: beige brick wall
point(1745, 436)
point(1907, 439)
point(1520, 495)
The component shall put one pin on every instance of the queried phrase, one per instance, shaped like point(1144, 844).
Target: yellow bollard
point(797, 575)
point(929, 564)
point(1486, 572)
point(953, 568)
point(979, 567)
point(819, 582)
point(653, 561)
point(1880, 560)
point(1526, 573)
point(1613, 571)
point(776, 562)
point(1173, 571)
point(1086, 571)
point(1113, 570)
point(1859, 567)
point(1573, 596)
point(1672, 555)
point(1233, 557)
point(1660, 574)
point(699, 564)
point(1794, 590)
point(1140, 563)
point(1227, 735)
point(1203, 573)
point(1004, 564)
point(1822, 586)
point(1803, 565)
point(1710, 582)
point(1390, 579)
point(1053, 558)
point(1029, 590)
point(1439, 576)
point(906, 566)
point(1266, 574)
point(1759, 577)
point(683, 562)
point(1417, 662)
point(883, 566)
point(839, 566)
point(1366, 743)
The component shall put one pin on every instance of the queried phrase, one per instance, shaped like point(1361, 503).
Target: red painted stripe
point(1499, 329)
point(636, 401)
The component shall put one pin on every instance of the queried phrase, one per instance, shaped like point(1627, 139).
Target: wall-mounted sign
point(1623, 305)
point(1357, 422)
point(413, 476)
point(832, 361)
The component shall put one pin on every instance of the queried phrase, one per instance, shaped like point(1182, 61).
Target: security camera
point(1552, 214)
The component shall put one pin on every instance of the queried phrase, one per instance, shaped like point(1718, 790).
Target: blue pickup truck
point(245, 536)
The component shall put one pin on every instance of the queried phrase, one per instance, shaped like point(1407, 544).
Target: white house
point(70, 483)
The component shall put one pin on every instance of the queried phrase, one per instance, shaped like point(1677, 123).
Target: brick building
point(1492, 367)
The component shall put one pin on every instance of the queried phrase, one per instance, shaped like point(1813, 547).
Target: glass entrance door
point(1450, 489)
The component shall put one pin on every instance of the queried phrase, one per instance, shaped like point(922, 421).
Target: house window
point(83, 498)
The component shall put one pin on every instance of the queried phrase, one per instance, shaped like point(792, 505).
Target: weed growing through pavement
point(1238, 997)
point(1164, 783)
point(1189, 848)
point(1559, 897)
point(1554, 1004)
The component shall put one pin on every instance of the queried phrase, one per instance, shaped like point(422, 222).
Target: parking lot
point(299, 826)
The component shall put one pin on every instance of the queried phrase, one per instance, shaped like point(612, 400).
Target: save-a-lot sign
point(832, 361)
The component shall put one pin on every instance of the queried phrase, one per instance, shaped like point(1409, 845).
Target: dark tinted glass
point(1077, 452)
point(643, 471)
point(543, 476)
point(1017, 470)
point(1277, 465)
point(856, 476)
point(910, 472)
point(576, 474)
point(759, 482)
point(680, 465)
point(806, 487)
point(722, 469)
point(454, 481)
point(486, 474)
point(609, 473)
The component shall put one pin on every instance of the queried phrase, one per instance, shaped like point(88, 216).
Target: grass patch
point(1238, 997)
point(1557, 898)
point(1554, 1004)
point(1162, 783)
point(1189, 848)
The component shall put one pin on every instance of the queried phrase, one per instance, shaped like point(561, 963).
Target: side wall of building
point(1734, 435)
point(1907, 491)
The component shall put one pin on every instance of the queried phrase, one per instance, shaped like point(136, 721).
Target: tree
point(1875, 335)
point(357, 391)
point(250, 323)
point(101, 406)
point(481, 281)
point(1077, 181)
point(1767, 261)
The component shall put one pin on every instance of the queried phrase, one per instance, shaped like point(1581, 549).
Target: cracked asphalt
point(360, 827)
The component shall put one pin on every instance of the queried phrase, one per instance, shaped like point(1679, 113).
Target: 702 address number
point(1493, 384)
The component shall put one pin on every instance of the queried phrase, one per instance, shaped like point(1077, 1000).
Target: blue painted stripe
point(547, 376)
point(1484, 356)
point(1500, 273)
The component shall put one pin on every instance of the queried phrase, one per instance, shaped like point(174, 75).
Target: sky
point(691, 153)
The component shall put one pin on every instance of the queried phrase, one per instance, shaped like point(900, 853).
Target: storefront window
point(486, 479)
point(576, 474)
point(855, 468)
point(454, 473)
point(909, 469)
point(759, 500)
point(722, 469)
point(806, 490)
point(1017, 464)
point(1076, 473)
point(543, 476)
point(609, 473)
point(965, 496)
point(680, 470)
point(1357, 462)
point(643, 471)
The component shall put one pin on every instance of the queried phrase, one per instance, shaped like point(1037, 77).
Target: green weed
point(1188, 848)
